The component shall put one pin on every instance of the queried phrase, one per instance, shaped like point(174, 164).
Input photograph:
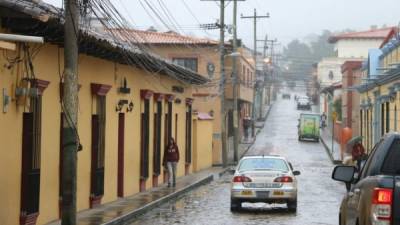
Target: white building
point(348, 46)
point(329, 71)
point(356, 44)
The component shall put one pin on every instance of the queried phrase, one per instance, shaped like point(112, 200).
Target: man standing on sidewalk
point(171, 159)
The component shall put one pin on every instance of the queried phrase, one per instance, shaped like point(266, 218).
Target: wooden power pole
point(222, 83)
point(254, 17)
point(70, 107)
point(235, 88)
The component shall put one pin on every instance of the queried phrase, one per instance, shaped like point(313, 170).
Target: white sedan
point(268, 179)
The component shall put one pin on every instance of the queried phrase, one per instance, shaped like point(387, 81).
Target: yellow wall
point(204, 55)
point(91, 70)
point(393, 110)
point(202, 144)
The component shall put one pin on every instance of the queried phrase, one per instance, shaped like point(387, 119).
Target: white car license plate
point(262, 194)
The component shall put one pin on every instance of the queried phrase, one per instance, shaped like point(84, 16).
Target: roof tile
point(381, 33)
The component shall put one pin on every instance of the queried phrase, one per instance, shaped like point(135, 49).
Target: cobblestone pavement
point(318, 198)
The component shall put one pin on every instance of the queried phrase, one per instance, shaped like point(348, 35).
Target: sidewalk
point(326, 139)
point(126, 209)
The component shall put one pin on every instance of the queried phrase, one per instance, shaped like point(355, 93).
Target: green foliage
point(300, 56)
point(337, 107)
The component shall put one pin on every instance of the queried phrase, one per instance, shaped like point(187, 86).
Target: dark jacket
point(171, 154)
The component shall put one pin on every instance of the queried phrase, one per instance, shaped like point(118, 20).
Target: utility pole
point(235, 88)
point(222, 83)
point(254, 17)
point(272, 61)
point(222, 80)
point(70, 106)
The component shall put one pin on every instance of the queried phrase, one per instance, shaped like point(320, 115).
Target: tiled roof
point(381, 33)
point(164, 38)
point(48, 21)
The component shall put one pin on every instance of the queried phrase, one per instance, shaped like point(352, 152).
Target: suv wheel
point(292, 205)
point(236, 205)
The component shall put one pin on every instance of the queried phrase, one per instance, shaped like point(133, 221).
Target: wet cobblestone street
point(318, 196)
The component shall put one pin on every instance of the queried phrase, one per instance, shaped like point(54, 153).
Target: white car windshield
point(263, 164)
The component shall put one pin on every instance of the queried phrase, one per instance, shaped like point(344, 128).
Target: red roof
point(162, 38)
point(381, 33)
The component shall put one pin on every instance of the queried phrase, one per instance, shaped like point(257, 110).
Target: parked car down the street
point(373, 195)
point(303, 103)
point(286, 96)
point(268, 179)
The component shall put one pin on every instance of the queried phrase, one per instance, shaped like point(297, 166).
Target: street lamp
point(233, 54)
point(267, 60)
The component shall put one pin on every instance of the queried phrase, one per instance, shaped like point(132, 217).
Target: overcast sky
point(289, 19)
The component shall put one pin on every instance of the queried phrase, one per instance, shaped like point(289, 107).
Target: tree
point(321, 48)
point(300, 56)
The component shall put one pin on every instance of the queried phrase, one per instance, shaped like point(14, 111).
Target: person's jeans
point(171, 172)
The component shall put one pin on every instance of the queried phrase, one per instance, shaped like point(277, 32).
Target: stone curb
point(129, 217)
point(334, 161)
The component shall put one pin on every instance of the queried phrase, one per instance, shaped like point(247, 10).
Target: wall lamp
point(130, 107)
point(121, 103)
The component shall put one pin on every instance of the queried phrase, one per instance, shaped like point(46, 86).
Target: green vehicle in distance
point(308, 127)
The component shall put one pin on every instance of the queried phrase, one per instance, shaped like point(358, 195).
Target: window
point(31, 152)
point(176, 127)
point(387, 117)
point(248, 78)
point(98, 150)
point(60, 194)
point(189, 63)
point(145, 133)
point(370, 128)
point(366, 170)
point(188, 138)
point(395, 118)
point(121, 154)
point(382, 119)
point(330, 75)
point(98, 143)
point(391, 164)
point(366, 124)
point(157, 139)
point(31, 158)
point(361, 123)
point(263, 164)
point(168, 120)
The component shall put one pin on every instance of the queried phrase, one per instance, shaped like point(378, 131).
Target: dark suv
point(373, 195)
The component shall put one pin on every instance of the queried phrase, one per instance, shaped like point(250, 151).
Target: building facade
point(351, 71)
point(379, 101)
point(128, 109)
point(202, 55)
point(349, 47)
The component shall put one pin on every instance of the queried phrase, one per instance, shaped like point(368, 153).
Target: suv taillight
point(241, 179)
point(381, 211)
point(285, 179)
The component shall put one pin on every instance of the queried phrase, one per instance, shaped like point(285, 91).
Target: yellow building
point(130, 102)
point(202, 55)
point(379, 100)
